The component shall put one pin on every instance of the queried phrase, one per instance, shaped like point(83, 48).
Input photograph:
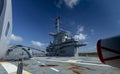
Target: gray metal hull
point(67, 51)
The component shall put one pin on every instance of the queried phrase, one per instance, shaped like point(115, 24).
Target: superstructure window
point(1, 6)
point(7, 29)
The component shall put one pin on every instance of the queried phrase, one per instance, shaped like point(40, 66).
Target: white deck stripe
point(77, 62)
point(10, 68)
point(54, 69)
point(44, 64)
point(38, 62)
point(91, 64)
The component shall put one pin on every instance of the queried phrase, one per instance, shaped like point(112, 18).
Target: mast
point(57, 23)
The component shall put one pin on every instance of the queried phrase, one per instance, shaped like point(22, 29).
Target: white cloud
point(37, 43)
point(80, 36)
point(69, 3)
point(15, 38)
point(80, 29)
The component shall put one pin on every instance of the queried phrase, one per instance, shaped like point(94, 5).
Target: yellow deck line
point(26, 72)
point(3, 62)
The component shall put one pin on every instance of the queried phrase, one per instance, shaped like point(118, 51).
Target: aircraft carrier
point(62, 44)
point(52, 65)
point(34, 61)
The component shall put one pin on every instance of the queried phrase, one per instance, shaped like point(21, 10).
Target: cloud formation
point(79, 35)
point(69, 3)
point(37, 43)
point(15, 38)
point(80, 29)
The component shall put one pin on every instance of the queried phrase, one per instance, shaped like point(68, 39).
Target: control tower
point(62, 44)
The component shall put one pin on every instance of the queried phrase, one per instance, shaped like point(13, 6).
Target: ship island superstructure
point(62, 44)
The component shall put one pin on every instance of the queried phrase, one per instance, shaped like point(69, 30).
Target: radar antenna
point(57, 22)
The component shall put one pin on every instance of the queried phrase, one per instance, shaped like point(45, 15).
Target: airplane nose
point(108, 50)
point(99, 51)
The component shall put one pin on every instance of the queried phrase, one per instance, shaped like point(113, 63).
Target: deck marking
point(54, 69)
point(94, 64)
point(11, 68)
point(77, 62)
point(73, 61)
point(44, 64)
point(38, 61)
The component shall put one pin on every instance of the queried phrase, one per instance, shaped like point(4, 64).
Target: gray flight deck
point(64, 65)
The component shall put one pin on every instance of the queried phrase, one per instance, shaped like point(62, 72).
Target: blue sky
point(86, 20)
